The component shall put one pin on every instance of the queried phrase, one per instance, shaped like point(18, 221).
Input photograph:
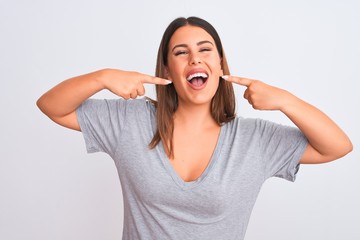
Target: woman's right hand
point(128, 84)
point(60, 102)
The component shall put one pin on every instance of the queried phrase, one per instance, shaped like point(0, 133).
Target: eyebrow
point(198, 44)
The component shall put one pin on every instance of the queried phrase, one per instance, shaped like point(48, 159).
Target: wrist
point(102, 77)
point(289, 102)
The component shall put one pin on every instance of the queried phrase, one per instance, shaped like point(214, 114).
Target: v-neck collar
point(191, 184)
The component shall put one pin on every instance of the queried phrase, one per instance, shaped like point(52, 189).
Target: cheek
point(175, 71)
point(216, 81)
point(217, 69)
point(214, 62)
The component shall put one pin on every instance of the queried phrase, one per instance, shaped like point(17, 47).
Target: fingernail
point(168, 82)
point(225, 77)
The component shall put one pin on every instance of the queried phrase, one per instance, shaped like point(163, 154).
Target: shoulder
point(140, 106)
point(257, 127)
point(140, 103)
point(246, 123)
point(256, 123)
point(241, 128)
point(120, 104)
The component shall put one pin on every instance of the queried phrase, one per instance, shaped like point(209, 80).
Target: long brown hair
point(222, 104)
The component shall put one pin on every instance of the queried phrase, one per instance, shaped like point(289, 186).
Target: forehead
point(190, 35)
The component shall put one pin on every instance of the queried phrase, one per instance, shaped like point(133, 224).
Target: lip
point(196, 70)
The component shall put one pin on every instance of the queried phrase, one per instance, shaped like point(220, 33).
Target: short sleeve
point(282, 148)
point(101, 123)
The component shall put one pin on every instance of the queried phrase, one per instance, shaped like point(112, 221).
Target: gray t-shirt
point(158, 204)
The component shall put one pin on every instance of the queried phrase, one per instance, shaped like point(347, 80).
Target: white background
point(51, 189)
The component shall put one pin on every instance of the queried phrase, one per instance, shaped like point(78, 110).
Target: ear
point(167, 74)
point(221, 66)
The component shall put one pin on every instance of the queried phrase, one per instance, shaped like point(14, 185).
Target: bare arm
point(61, 102)
point(327, 141)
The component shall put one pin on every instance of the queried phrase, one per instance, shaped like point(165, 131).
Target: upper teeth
point(194, 75)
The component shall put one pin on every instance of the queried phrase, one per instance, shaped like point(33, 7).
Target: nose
point(194, 59)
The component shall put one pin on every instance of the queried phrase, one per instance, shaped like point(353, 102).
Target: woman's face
point(194, 65)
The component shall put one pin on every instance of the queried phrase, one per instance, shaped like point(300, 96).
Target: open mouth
point(197, 79)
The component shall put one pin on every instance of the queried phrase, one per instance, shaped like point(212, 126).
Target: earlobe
point(167, 75)
point(221, 67)
point(221, 72)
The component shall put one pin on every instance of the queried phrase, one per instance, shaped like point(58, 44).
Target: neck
point(194, 116)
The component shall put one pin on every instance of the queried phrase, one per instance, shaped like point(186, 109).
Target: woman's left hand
point(327, 141)
point(260, 95)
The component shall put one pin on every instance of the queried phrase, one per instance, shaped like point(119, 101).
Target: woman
point(189, 168)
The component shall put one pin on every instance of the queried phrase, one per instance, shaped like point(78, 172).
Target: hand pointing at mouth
point(261, 95)
point(127, 84)
point(61, 102)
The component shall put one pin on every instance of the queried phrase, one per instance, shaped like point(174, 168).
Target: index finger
point(238, 80)
point(155, 80)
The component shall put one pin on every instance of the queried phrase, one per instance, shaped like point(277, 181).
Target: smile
point(197, 80)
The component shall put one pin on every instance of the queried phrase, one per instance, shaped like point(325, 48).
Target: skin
point(327, 142)
point(195, 131)
point(61, 102)
point(192, 48)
